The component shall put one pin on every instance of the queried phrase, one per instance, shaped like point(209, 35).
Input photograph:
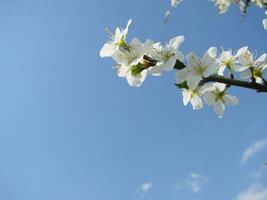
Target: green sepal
point(137, 69)
point(182, 85)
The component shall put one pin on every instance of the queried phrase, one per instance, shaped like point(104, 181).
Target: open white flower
point(130, 61)
point(260, 3)
point(198, 68)
point(134, 75)
point(256, 70)
point(117, 40)
point(222, 5)
point(130, 56)
point(192, 96)
point(216, 96)
point(230, 61)
point(166, 56)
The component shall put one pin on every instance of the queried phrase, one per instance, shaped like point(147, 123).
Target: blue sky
point(71, 129)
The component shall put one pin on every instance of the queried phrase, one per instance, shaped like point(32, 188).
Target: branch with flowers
point(205, 78)
point(224, 5)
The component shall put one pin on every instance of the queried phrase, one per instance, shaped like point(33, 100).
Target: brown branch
point(221, 79)
point(216, 78)
point(228, 81)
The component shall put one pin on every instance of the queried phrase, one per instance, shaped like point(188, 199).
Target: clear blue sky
point(71, 129)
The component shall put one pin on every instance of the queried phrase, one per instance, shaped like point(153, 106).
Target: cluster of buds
point(223, 6)
point(207, 77)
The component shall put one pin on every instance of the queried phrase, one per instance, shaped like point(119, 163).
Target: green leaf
point(182, 85)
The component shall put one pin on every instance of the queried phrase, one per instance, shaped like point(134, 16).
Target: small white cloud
point(194, 182)
point(253, 149)
point(144, 188)
point(254, 192)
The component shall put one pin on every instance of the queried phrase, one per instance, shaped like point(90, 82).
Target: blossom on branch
point(166, 56)
point(230, 61)
point(198, 68)
point(198, 77)
point(117, 40)
point(218, 98)
point(252, 68)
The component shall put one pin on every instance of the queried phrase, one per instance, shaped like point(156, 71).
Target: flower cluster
point(137, 60)
point(223, 6)
point(130, 58)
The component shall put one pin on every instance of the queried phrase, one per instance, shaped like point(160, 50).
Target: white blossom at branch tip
point(117, 40)
point(217, 97)
point(192, 96)
point(251, 67)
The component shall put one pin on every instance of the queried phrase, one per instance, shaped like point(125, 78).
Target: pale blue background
point(71, 129)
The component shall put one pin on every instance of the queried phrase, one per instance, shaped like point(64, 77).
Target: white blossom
point(117, 40)
point(260, 3)
point(129, 61)
point(230, 61)
point(192, 96)
point(217, 97)
point(256, 69)
point(222, 5)
point(198, 68)
point(166, 56)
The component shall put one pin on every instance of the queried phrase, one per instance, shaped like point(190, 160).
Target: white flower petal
point(226, 56)
point(230, 100)
point(209, 98)
point(186, 96)
point(155, 70)
point(169, 65)
point(264, 23)
point(122, 71)
point(176, 42)
point(221, 70)
point(125, 31)
point(193, 81)
point(212, 52)
point(179, 56)
point(192, 59)
point(245, 74)
point(136, 81)
point(241, 51)
point(261, 60)
point(181, 75)
point(196, 102)
point(219, 86)
point(107, 50)
point(219, 108)
point(211, 69)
